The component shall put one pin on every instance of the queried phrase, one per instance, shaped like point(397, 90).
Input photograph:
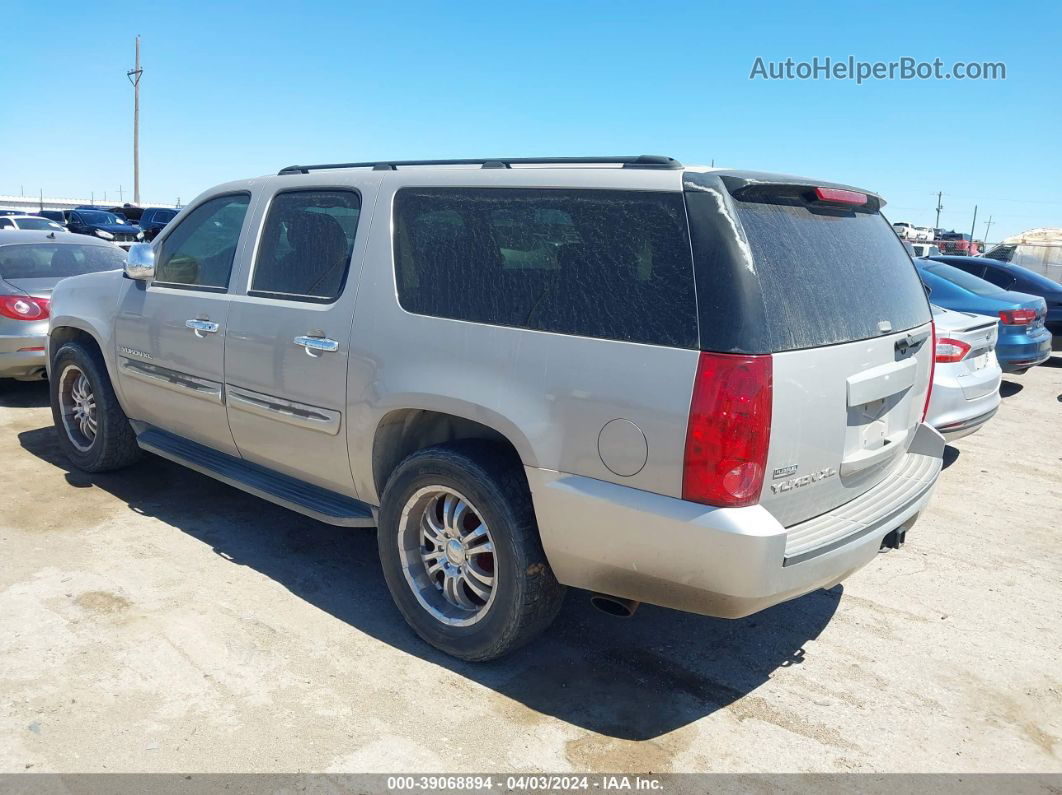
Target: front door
point(286, 348)
point(170, 333)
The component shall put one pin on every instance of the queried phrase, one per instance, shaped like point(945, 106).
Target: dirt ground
point(155, 620)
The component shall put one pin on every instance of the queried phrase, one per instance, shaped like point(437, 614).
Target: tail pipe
point(614, 605)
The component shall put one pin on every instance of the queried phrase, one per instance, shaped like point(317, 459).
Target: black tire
point(114, 444)
point(527, 595)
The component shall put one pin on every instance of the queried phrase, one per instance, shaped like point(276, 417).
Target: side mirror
point(140, 262)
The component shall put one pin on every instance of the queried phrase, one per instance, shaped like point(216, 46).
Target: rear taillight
point(1017, 317)
point(949, 350)
point(23, 307)
point(729, 430)
point(932, 369)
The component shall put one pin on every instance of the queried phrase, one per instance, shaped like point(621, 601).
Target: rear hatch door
point(828, 290)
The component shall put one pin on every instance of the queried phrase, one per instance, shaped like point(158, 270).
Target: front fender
point(89, 304)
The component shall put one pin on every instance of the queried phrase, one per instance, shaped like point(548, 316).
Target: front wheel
point(461, 554)
point(92, 429)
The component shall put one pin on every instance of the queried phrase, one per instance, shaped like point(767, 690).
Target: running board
point(321, 504)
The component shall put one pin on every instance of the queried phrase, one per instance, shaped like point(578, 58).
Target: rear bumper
point(726, 562)
point(1021, 356)
point(18, 359)
point(952, 413)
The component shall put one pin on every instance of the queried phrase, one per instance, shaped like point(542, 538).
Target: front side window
point(200, 250)
point(609, 264)
point(306, 246)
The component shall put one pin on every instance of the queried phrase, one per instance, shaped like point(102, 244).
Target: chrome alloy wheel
point(447, 555)
point(78, 406)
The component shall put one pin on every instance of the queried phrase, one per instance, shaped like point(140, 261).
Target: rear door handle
point(201, 327)
point(315, 346)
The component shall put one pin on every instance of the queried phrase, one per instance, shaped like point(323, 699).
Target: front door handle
point(201, 327)
point(315, 346)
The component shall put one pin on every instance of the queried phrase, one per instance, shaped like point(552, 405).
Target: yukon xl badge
point(804, 480)
point(133, 352)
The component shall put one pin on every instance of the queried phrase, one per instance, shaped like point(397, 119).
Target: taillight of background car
point(1017, 317)
point(950, 350)
point(932, 368)
point(23, 307)
point(729, 430)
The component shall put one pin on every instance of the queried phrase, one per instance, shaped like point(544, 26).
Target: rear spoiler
point(756, 186)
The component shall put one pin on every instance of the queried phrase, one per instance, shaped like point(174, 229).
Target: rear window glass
point(57, 260)
point(596, 263)
point(962, 279)
point(788, 275)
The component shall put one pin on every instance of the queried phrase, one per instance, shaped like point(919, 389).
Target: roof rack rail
point(631, 161)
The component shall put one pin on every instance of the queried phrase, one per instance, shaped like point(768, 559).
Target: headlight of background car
point(139, 235)
point(104, 235)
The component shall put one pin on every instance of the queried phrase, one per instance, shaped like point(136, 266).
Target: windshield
point(98, 217)
point(57, 260)
point(966, 281)
point(164, 215)
point(37, 223)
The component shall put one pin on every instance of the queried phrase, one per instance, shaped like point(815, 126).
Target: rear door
point(170, 333)
point(826, 287)
point(289, 329)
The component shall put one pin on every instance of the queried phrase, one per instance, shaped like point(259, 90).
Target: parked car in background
point(1023, 341)
point(907, 231)
point(104, 225)
point(1008, 276)
point(31, 263)
point(924, 249)
point(967, 374)
point(59, 216)
point(31, 222)
point(699, 388)
point(128, 211)
point(956, 243)
point(154, 220)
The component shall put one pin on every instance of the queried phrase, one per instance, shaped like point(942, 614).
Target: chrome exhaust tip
point(614, 605)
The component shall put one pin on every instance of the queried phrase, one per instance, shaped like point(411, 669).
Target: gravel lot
point(155, 620)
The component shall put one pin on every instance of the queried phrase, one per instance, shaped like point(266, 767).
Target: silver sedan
point(967, 375)
point(31, 264)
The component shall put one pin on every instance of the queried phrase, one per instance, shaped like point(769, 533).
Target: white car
point(925, 250)
point(32, 222)
point(967, 375)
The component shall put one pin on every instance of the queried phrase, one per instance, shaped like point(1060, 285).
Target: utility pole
point(939, 208)
point(973, 226)
point(134, 78)
point(42, 198)
point(988, 225)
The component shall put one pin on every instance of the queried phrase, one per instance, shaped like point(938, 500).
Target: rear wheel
point(461, 553)
point(92, 429)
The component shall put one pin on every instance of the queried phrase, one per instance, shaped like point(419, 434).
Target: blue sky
point(238, 89)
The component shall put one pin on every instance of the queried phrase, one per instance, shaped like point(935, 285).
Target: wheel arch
point(401, 432)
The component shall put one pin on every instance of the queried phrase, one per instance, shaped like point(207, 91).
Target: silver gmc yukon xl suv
point(698, 388)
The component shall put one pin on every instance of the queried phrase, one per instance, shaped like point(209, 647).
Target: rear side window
point(962, 279)
point(306, 245)
point(199, 251)
point(999, 278)
point(779, 274)
point(597, 263)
